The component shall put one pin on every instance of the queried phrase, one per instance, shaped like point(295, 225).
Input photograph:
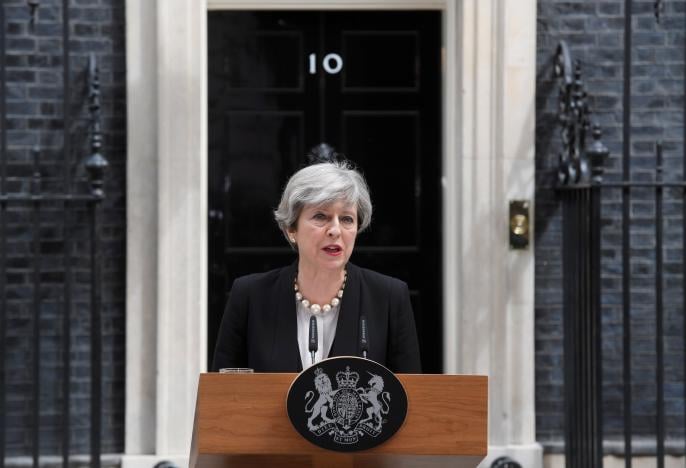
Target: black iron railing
point(581, 187)
point(72, 199)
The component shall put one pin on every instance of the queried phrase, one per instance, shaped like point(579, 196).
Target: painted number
point(332, 63)
point(313, 64)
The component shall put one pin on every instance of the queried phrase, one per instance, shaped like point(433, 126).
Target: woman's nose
point(334, 228)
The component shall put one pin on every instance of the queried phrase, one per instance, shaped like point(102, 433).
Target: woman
point(266, 321)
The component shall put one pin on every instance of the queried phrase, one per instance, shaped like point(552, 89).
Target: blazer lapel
point(346, 341)
point(285, 353)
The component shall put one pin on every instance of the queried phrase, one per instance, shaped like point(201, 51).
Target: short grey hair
point(320, 185)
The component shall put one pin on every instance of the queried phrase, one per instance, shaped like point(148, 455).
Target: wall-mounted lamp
point(519, 224)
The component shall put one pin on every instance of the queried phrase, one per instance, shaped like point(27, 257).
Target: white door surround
point(489, 64)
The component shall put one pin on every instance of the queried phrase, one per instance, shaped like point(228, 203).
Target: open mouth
point(333, 249)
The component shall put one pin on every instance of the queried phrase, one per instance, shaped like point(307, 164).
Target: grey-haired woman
point(266, 322)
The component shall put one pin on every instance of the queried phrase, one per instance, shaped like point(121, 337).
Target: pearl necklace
point(316, 309)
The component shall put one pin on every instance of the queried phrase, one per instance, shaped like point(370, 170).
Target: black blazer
point(259, 327)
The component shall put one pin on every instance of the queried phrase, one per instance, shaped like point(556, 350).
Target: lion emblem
point(324, 402)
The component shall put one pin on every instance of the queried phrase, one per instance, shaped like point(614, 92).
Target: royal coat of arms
point(355, 408)
point(350, 411)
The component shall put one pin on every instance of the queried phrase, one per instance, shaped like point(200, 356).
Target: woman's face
point(325, 235)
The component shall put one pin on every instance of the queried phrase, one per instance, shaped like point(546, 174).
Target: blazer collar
point(346, 341)
point(285, 351)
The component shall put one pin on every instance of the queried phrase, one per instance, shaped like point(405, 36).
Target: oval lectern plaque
point(347, 404)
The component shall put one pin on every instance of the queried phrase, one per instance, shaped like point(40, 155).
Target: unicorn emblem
point(378, 408)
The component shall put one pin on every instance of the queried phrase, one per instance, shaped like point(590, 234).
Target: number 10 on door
point(331, 63)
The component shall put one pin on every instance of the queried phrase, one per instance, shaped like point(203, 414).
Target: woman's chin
point(328, 262)
point(336, 263)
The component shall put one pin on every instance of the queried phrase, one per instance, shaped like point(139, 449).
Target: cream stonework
point(489, 96)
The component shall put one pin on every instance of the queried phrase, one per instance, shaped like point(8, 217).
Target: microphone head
point(314, 340)
point(364, 334)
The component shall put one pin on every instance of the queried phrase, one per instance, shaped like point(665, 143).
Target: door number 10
point(331, 63)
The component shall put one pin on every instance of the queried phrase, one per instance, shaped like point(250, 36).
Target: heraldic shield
point(347, 404)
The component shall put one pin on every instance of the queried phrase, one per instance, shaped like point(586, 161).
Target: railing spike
point(33, 12)
point(96, 163)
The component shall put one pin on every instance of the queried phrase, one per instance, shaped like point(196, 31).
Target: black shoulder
point(259, 281)
point(376, 279)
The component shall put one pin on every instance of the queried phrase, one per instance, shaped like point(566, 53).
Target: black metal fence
point(584, 192)
point(27, 203)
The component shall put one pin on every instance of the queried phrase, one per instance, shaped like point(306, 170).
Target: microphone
point(314, 340)
point(364, 336)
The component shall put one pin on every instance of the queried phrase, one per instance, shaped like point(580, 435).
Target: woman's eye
point(348, 220)
point(319, 216)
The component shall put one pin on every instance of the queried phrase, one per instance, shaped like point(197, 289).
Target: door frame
point(489, 72)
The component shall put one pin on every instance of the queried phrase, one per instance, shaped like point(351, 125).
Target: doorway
point(367, 85)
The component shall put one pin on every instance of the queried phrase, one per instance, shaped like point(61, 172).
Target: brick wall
point(35, 117)
point(594, 30)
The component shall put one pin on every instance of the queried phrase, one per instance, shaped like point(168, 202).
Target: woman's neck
point(319, 286)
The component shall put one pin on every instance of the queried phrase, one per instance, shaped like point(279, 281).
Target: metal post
point(626, 198)
point(96, 166)
point(3, 230)
point(582, 311)
point(683, 244)
point(597, 154)
point(595, 324)
point(66, 320)
point(585, 402)
point(659, 351)
point(567, 325)
point(35, 252)
point(96, 341)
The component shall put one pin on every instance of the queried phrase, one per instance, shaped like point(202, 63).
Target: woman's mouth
point(333, 250)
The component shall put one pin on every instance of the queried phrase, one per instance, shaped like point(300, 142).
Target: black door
point(365, 83)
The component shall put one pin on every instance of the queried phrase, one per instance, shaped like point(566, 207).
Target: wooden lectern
point(241, 420)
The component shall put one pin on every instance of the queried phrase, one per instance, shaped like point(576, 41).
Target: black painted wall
point(594, 30)
point(34, 105)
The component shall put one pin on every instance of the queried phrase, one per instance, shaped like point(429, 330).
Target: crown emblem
point(347, 379)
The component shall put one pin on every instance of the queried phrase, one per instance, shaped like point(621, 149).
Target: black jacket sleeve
point(403, 346)
point(231, 348)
